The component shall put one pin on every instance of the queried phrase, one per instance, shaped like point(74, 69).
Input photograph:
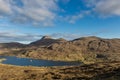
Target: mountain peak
point(46, 37)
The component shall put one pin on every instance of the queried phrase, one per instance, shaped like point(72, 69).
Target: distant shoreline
point(2, 59)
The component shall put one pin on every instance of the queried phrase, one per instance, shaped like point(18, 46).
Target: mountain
point(85, 49)
point(11, 45)
point(46, 40)
point(98, 44)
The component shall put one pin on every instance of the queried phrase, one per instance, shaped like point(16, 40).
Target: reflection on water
point(35, 62)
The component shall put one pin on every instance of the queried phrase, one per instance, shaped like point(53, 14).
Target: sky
point(28, 20)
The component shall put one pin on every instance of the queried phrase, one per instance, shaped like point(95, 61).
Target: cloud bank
point(45, 12)
point(32, 11)
point(105, 7)
point(27, 38)
point(6, 37)
point(13, 37)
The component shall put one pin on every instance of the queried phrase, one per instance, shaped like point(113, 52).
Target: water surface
point(35, 62)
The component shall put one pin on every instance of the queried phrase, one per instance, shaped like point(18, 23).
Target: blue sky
point(28, 20)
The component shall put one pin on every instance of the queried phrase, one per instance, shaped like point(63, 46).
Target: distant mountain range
point(87, 49)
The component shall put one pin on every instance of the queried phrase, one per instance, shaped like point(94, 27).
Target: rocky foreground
point(98, 71)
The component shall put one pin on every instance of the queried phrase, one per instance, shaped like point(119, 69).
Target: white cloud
point(14, 37)
point(68, 36)
point(105, 7)
point(44, 12)
point(102, 8)
point(73, 18)
point(71, 36)
point(38, 11)
point(17, 37)
point(5, 7)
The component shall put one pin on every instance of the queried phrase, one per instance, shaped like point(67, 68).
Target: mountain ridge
point(89, 49)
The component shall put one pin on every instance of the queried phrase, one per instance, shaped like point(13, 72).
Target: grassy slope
point(98, 71)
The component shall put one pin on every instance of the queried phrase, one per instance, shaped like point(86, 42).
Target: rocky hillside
point(11, 45)
point(86, 49)
point(46, 41)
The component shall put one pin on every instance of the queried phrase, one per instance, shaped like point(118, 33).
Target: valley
point(86, 49)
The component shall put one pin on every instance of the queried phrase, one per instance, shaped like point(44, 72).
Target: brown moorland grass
point(97, 71)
